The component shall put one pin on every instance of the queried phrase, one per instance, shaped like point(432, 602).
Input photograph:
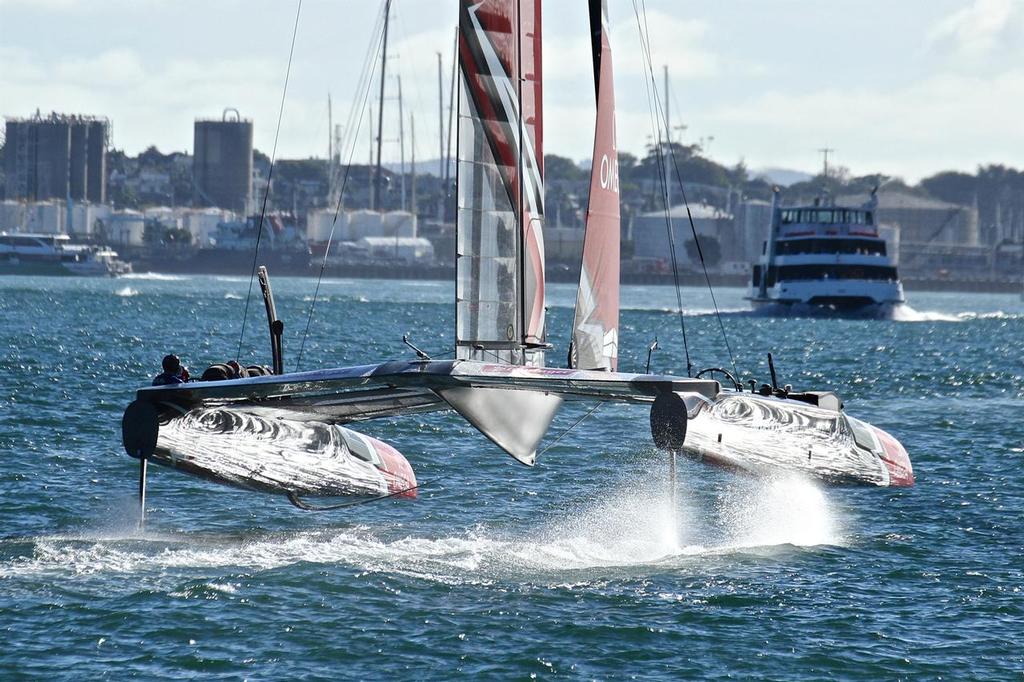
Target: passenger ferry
point(826, 258)
point(54, 254)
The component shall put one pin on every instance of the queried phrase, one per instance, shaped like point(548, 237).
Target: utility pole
point(380, 107)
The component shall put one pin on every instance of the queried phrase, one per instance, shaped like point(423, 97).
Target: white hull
point(836, 294)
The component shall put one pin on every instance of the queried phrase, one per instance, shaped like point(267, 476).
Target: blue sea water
point(580, 567)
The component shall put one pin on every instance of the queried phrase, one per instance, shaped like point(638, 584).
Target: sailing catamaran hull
point(247, 450)
point(747, 432)
point(765, 436)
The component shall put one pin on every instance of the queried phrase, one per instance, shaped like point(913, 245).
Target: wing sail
point(595, 335)
point(499, 246)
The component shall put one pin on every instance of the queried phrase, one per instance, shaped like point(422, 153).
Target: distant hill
point(782, 176)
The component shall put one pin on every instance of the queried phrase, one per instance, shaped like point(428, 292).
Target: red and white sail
point(500, 243)
point(595, 335)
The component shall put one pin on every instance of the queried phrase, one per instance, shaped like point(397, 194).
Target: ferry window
point(813, 272)
point(869, 218)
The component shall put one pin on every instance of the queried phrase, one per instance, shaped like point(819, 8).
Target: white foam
point(156, 276)
point(904, 313)
point(233, 297)
point(126, 292)
point(786, 510)
point(629, 531)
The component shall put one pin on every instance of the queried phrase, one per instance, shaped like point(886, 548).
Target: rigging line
point(364, 86)
point(572, 426)
point(662, 176)
point(270, 176)
point(686, 204)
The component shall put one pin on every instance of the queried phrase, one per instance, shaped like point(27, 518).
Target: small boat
point(498, 381)
point(826, 259)
point(55, 254)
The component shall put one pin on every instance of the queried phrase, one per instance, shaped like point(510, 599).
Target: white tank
point(46, 217)
point(202, 223)
point(166, 216)
point(318, 225)
point(84, 217)
point(399, 224)
point(12, 216)
point(127, 228)
point(364, 224)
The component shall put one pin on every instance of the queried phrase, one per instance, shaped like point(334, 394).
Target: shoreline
point(559, 273)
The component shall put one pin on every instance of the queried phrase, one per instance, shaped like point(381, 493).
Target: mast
point(401, 139)
point(668, 150)
point(380, 107)
point(440, 117)
point(412, 148)
point(448, 138)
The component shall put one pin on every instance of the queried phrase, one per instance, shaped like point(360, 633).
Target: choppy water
point(579, 567)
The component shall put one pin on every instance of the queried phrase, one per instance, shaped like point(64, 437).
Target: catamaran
point(297, 427)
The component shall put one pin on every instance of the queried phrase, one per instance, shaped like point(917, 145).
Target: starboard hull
point(764, 436)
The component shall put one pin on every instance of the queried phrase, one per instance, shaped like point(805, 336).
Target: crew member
point(174, 372)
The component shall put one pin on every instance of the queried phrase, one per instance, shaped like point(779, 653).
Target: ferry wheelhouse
point(826, 256)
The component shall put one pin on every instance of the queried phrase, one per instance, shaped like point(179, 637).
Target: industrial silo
point(78, 166)
point(96, 160)
point(222, 163)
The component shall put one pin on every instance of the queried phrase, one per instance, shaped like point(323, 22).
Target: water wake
point(155, 276)
point(126, 292)
point(632, 530)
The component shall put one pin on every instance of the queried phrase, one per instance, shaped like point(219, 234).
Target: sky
point(903, 87)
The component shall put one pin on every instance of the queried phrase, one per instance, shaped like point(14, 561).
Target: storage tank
point(78, 166)
point(222, 162)
point(45, 217)
point(319, 223)
point(166, 216)
point(400, 224)
point(56, 157)
point(127, 228)
point(202, 223)
point(12, 216)
point(96, 160)
point(364, 223)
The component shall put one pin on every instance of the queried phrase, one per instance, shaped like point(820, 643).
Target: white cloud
point(945, 121)
point(976, 29)
point(675, 42)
